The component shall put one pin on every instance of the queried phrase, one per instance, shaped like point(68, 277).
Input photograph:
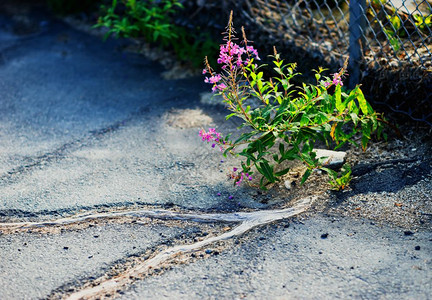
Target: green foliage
point(296, 118)
point(153, 21)
point(282, 122)
point(339, 181)
point(394, 27)
point(190, 45)
point(423, 23)
point(150, 19)
point(393, 31)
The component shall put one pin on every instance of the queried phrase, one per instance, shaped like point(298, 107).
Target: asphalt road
point(86, 127)
point(84, 122)
point(319, 258)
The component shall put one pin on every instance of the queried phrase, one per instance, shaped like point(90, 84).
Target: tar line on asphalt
point(103, 286)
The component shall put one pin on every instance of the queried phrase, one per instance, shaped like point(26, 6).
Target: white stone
point(333, 158)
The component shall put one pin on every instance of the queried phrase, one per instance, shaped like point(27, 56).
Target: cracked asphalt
point(84, 128)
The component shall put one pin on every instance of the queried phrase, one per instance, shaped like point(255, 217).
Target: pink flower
point(253, 51)
point(231, 55)
point(337, 79)
point(213, 79)
point(211, 136)
point(221, 86)
point(204, 71)
point(239, 177)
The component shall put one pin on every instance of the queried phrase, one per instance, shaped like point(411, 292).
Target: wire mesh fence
point(395, 32)
point(398, 32)
point(381, 37)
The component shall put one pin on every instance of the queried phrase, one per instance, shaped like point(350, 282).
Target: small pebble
point(324, 235)
point(417, 248)
point(408, 232)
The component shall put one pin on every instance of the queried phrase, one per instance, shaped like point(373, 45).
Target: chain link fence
point(395, 32)
point(389, 43)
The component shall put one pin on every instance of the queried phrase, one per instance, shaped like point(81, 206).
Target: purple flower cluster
point(214, 80)
point(212, 136)
point(231, 56)
point(337, 80)
point(240, 177)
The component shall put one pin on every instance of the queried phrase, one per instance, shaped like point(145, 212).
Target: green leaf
point(281, 149)
point(267, 171)
point(290, 155)
point(230, 116)
point(364, 142)
point(283, 172)
point(332, 173)
point(354, 118)
point(362, 102)
point(304, 120)
point(245, 137)
point(306, 176)
point(338, 101)
point(249, 156)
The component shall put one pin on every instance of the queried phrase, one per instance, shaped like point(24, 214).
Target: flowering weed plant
point(282, 122)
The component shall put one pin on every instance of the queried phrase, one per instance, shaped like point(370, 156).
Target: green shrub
point(287, 121)
point(153, 21)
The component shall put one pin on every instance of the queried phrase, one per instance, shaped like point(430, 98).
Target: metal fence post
point(357, 22)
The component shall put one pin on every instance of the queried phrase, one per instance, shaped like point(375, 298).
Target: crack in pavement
point(155, 214)
point(103, 286)
point(248, 220)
